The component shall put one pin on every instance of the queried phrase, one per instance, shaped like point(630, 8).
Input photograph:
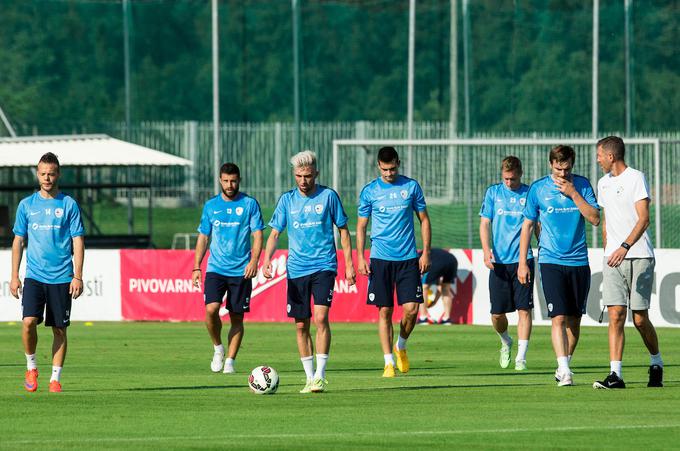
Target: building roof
point(82, 150)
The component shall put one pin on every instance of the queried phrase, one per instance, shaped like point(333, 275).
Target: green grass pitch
point(148, 385)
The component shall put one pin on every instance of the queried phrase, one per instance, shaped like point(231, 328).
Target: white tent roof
point(82, 150)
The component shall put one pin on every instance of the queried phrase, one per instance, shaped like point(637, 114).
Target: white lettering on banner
point(342, 286)
point(261, 283)
point(162, 286)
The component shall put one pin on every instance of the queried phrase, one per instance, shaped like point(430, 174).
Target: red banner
point(156, 286)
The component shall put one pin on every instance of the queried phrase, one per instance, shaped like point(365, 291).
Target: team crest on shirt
point(522, 201)
point(404, 194)
point(318, 208)
point(58, 212)
point(239, 211)
point(619, 190)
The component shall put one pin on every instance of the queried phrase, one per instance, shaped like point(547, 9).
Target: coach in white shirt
point(628, 268)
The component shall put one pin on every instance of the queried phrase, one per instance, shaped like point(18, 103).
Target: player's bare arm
point(346, 243)
point(251, 268)
point(76, 287)
point(642, 210)
point(566, 187)
point(201, 247)
point(426, 234)
point(362, 265)
point(523, 273)
point(270, 248)
point(17, 251)
point(484, 235)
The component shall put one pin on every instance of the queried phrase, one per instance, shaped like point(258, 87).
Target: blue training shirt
point(309, 220)
point(390, 207)
point(230, 223)
point(563, 233)
point(503, 207)
point(50, 225)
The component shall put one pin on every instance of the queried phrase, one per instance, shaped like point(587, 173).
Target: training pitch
point(149, 385)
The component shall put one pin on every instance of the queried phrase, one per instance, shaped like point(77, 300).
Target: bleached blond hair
point(303, 159)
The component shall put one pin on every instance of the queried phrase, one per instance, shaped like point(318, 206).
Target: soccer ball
point(263, 380)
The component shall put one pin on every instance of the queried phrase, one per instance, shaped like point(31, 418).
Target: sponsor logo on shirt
point(36, 226)
point(218, 223)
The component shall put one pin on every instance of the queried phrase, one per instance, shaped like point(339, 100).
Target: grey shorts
point(629, 284)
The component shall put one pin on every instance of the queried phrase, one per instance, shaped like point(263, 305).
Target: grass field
point(148, 385)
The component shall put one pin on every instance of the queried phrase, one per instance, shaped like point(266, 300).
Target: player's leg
point(447, 303)
point(409, 296)
point(500, 296)
point(215, 286)
point(381, 295)
point(643, 278)
point(57, 316)
point(578, 278)
point(559, 299)
point(323, 285)
point(523, 299)
point(299, 297)
point(33, 301)
point(238, 303)
point(615, 295)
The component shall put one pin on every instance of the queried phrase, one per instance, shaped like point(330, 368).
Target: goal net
point(454, 175)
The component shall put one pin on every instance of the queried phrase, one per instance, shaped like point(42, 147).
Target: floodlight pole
point(216, 98)
point(596, 55)
point(627, 32)
point(296, 74)
point(126, 63)
point(409, 96)
point(466, 64)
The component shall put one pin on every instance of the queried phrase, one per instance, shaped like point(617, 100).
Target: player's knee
point(59, 332)
point(640, 321)
point(30, 322)
point(212, 309)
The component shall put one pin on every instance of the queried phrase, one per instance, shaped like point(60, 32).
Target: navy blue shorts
point(237, 289)
point(55, 296)
point(565, 288)
point(386, 274)
point(319, 285)
point(505, 291)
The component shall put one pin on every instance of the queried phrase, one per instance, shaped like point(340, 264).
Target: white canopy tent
point(82, 150)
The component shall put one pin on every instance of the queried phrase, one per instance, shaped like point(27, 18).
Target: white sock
point(56, 373)
point(321, 361)
point(31, 363)
point(389, 359)
point(219, 348)
point(522, 347)
point(569, 357)
point(655, 359)
point(615, 367)
point(563, 364)
point(401, 343)
point(229, 362)
point(505, 339)
point(308, 365)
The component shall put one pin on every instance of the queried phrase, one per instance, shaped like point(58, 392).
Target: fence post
point(190, 151)
point(277, 160)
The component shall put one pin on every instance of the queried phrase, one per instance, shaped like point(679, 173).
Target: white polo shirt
point(617, 195)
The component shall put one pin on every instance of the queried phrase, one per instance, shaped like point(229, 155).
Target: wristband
point(77, 278)
point(625, 245)
point(195, 269)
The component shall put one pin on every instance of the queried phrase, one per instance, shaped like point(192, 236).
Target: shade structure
point(83, 150)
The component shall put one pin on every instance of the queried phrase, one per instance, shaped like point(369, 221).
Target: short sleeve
point(487, 206)
point(641, 189)
point(364, 210)
point(21, 223)
point(75, 221)
point(278, 221)
point(531, 209)
point(205, 226)
point(589, 195)
point(600, 197)
point(418, 198)
point(337, 211)
point(256, 222)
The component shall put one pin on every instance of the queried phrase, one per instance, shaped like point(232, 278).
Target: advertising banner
point(100, 300)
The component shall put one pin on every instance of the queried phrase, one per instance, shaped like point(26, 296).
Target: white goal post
point(468, 159)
